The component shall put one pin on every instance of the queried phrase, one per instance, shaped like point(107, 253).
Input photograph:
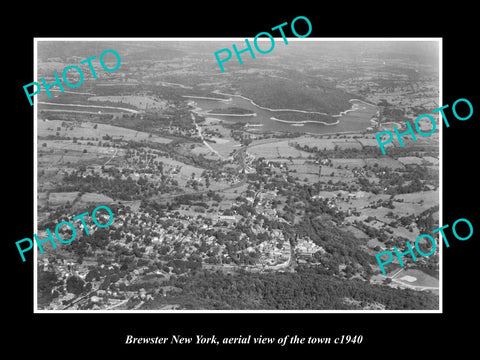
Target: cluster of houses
point(305, 248)
point(152, 233)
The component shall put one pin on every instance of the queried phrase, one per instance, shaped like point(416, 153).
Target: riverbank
point(209, 113)
point(205, 98)
point(296, 123)
point(342, 113)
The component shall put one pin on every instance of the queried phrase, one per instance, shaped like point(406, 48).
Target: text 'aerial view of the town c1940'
point(262, 187)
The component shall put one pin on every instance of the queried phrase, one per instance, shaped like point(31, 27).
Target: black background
point(104, 334)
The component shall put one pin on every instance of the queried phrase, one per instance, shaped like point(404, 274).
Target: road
point(199, 130)
point(116, 150)
point(80, 298)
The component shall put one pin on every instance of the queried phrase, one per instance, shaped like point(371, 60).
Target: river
point(266, 120)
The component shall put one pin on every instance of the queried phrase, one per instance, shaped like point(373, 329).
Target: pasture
point(140, 102)
point(60, 152)
point(95, 198)
point(349, 163)
point(409, 160)
point(384, 162)
point(94, 131)
point(57, 198)
point(275, 150)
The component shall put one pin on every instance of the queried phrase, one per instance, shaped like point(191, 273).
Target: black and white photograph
point(262, 187)
point(212, 180)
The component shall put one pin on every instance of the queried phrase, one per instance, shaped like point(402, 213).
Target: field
point(63, 152)
point(223, 146)
point(96, 198)
point(343, 142)
point(140, 102)
point(409, 160)
point(347, 144)
point(422, 279)
point(350, 163)
point(94, 109)
point(276, 150)
point(431, 160)
point(430, 198)
point(62, 198)
point(96, 131)
point(368, 142)
point(385, 162)
point(411, 205)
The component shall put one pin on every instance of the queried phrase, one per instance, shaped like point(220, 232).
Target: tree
point(75, 285)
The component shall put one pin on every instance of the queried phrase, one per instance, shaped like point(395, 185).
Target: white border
point(439, 40)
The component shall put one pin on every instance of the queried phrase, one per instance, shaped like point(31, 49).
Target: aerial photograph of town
point(262, 187)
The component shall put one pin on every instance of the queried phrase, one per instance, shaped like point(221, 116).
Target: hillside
point(281, 93)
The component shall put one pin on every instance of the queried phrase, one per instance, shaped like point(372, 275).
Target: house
point(227, 217)
point(95, 299)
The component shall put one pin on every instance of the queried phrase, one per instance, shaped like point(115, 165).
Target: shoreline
point(305, 122)
point(205, 98)
point(207, 113)
point(342, 113)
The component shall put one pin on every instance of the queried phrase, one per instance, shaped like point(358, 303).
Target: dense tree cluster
point(46, 281)
point(116, 188)
point(281, 93)
point(369, 151)
point(303, 290)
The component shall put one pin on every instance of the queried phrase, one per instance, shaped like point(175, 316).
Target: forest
point(280, 93)
point(303, 290)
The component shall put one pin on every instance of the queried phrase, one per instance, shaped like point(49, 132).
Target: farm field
point(276, 150)
point(368, 141)
point(344, 142)
point(347, 144)
point(140, 102)
point(62, 198)
point(95, 198)
point(61, 152)
point(431, 160)
point(99, 109)
point(385, 162)
point(224, 146)
point(430, 198)
point(92, 130)
point(408, 160)
point(350, 163)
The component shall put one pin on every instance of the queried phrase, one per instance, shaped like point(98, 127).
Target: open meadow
point(140, 102)
point(94, 131)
